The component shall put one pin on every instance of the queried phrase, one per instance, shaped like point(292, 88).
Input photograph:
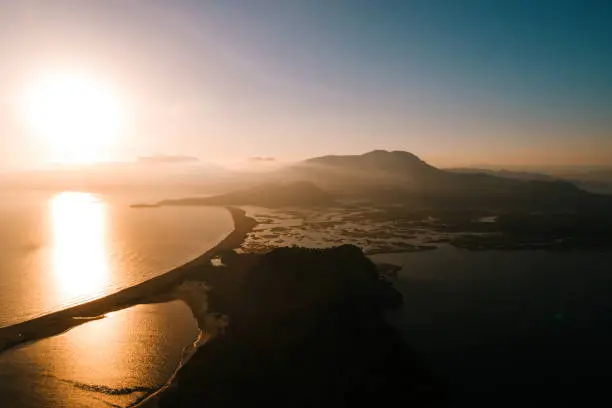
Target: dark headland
point(305, 329)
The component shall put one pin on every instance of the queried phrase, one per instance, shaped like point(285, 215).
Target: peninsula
point(145, 292)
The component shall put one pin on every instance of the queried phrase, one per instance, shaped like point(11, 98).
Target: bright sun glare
point(78, 117)
point(80, 257)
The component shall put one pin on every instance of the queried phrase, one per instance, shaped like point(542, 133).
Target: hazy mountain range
point(379, 172)
point(596, 180)
point(384, 178)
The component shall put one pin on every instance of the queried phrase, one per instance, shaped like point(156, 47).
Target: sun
point(78, 117)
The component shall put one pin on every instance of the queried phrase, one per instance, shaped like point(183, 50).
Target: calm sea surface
point(511, 328)
point(115, 361)
point(61, 249)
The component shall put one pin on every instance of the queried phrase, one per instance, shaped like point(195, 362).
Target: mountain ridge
point(402, 177)
point(375, 159)
point(382, 177)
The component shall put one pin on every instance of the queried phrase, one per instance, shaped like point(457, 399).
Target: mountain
point(378, 167)
point(518, 175)
point(397, 178)
point(377, 161)
point(402, 177)
point(598, 181)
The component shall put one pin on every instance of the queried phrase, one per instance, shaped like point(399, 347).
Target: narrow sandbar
point(58, 322)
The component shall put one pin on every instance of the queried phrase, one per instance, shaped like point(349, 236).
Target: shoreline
point(151, 399)
point(145, 292)
point(317, 309)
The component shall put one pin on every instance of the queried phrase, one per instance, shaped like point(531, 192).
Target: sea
point(60, 249)
point(510, 328)
point(501, 328)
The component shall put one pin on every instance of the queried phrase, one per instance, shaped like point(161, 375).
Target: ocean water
point(66, 248)
point(510, 328)
point(115, 361)
point(62, 249)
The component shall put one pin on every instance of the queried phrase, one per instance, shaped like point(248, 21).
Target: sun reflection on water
point(80, 259)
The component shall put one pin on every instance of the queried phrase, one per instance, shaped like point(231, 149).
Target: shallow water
point(509, 327)
point(114, 361)
point(62, 249)
point(331, 227)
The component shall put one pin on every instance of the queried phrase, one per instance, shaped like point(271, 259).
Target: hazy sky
point(455, 82)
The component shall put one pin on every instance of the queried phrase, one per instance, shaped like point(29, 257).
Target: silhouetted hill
point(300, 193)
point(377, 167)
point(306, 330)
point(402, 177)
point(395, 177)
point(595, 180)
point(518, 175)
point(378, 161)
point(598, 181)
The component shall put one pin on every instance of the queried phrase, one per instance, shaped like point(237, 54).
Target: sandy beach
point(153, 290)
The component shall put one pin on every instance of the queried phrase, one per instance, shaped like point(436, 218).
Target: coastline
point(321, 310)
point(316, 329)
point(151, 400)
point(145, 292)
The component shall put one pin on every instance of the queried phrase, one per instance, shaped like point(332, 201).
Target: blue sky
point(454, 82)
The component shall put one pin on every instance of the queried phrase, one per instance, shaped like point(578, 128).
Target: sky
point(457, 83)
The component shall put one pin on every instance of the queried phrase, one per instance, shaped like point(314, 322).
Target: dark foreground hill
point(306, 330)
